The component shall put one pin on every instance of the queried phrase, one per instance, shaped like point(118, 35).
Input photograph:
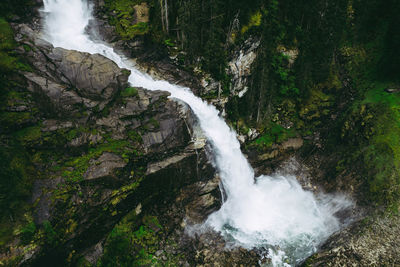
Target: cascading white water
point(274, 213)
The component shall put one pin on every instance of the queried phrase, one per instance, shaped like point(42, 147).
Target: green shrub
point(128, 245)
point(284, 76)
point(8, 61)
point(6, 36)
point(27, 232)
point(273, 134)
point(15, 180)
point(129, 92)
point(125, 15)
point(382, 151)
point(372, 131)
point(30, 134)
point(51, 236)
point(168, 42)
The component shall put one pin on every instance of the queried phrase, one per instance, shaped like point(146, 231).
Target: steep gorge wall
point(320, 81)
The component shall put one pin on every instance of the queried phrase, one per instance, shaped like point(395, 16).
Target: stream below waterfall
point(272, 213)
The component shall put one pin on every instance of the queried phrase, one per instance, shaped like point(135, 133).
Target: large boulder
point(94, 76)
point(68, 79)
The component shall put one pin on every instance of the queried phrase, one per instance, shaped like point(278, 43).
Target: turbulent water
point(274, 213)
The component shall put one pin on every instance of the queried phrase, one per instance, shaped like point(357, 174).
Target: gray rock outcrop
point(372, 242)
point(94, 76)
point(69, 79)
point(240, 66)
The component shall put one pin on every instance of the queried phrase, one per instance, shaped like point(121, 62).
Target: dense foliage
point(347, 55)
point(19, 8)
point(16, 170)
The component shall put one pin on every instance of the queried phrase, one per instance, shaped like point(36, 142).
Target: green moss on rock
point(130, 244)
point(129, 92)
point(125, 20)
point(272, 134)
point(76, 167)
point(8, 61)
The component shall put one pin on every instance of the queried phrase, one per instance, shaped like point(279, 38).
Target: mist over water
point(270, 212)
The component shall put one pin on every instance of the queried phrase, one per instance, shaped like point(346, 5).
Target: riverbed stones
point(371, 242)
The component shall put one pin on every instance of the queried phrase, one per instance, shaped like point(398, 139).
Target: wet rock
point(155, 138)
point(211, 250)
point(60, 97)
point(164, 131)
point(112, 121)
point(201, 207)
point(268, 156)
point(270, 159)
point(163, 69)
point(102, 30)
point(252, 134)
point(203, 199)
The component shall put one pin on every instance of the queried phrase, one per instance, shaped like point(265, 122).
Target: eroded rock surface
point(93, 76)
point(67, 79)
point(240, 66)
point(371, 242)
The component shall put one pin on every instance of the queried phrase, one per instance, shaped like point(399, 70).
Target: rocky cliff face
point(239, 68)
point(100, 150)
point(69, 79)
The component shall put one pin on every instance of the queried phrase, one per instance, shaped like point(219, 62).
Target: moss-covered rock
point(129, 17)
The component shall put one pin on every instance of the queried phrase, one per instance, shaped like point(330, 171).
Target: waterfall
point(273, 213)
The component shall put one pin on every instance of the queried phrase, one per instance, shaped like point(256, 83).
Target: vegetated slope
point(324, 70)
